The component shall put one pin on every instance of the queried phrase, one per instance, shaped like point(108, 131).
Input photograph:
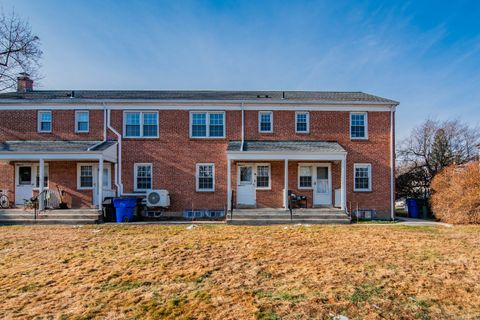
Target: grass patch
point(223, 272)
point(364, 293)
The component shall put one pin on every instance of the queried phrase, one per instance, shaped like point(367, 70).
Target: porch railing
point(232, 203)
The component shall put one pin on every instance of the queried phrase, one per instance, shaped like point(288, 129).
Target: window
point(141, 124)
point(205, 177)
point(207, 124)
point(265, 121)
point(302, 122)
point(358, 125)
point(45, 177)
point(44, 121)
point(85, 176)
point(363, 177)
point(82, 121)
point(305, 177)
point(263, 176)
point(143, 176)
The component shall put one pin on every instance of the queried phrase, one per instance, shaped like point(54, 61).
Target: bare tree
point(431, 147)
point(19, 50)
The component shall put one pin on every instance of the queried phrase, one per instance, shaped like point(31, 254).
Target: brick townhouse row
point(209, 149)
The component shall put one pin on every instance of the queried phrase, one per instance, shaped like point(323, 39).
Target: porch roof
point(57, 149)
point(285, 146)
point(286, 149)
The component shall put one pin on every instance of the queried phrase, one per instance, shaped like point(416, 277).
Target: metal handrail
point(232, 204)
point(36, 200)
point(290, 207)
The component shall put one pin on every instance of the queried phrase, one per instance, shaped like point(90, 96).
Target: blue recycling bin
point(412, 208)
point(125, 209)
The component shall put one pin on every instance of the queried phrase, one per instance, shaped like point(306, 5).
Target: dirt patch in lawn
point(226, 272)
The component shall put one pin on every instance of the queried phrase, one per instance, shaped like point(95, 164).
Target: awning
point(287, 149)
point(58, 150)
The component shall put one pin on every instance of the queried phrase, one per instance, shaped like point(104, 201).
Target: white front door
point(24, 183)
point(246, 194)
point(322, 181)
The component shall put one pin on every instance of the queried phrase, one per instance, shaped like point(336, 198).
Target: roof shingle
point(199, 95)
point(285, 146)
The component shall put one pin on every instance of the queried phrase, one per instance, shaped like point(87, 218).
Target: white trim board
point(265, 156)
point(206, 107)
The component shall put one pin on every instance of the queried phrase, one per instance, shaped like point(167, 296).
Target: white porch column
point(41, 176)
point(343, 195)
point(229, 185)
point(100, 183)
point(286, 185)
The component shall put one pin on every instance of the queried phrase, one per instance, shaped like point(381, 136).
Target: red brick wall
point(174, 155)
point(23, 125)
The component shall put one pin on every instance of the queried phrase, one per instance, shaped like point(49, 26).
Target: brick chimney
point(24, 83)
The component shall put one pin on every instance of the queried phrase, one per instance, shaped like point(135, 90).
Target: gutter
point(118, 165)
point(243, 127)
point(392, 163)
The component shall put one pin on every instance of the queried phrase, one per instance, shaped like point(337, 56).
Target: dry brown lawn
point(225, 272)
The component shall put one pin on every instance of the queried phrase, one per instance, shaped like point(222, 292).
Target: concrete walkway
point(422, 223)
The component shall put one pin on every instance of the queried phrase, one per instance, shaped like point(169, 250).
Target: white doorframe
point(246, 192)
point(25, 190)
point(322, 199)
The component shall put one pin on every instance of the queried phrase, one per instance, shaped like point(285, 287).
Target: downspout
point(118, 165)
point(243, 127)
point(392, 163)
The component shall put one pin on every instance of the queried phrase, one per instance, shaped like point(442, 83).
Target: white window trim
point(197, 176)
point(363, 165)
point(259, 121)
point(366, 126)
point(35, 173)
point(308, 121)
point(77, 130)
point(39, 121)
point(79, 165)
point(141, 136)
point(207, 121)
point(269, 187)
point(312, 166)
point(135, 175)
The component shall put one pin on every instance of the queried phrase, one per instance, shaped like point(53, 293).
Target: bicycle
point(4, 202)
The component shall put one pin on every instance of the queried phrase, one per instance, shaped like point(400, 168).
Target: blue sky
point(425, 54)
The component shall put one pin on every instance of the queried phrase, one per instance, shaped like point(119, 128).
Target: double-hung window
point(82, 121)
point(205, 177)
point(358, 125)
point(265, 121)
point(263, 176)
point(85, 176)
point(302, 122)
point(207, 124)
point(363, 177)
point(141, 124)
point(143, 176)
point(45, 121)
point(305, 177)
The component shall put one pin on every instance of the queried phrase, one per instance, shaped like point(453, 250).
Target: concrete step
point(286, 221)
point(46, 221)
point(50, 216)
point(70, 216)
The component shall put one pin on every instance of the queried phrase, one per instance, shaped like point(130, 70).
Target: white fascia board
point(206, 106)
point(285, 156)
point(50, 156)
